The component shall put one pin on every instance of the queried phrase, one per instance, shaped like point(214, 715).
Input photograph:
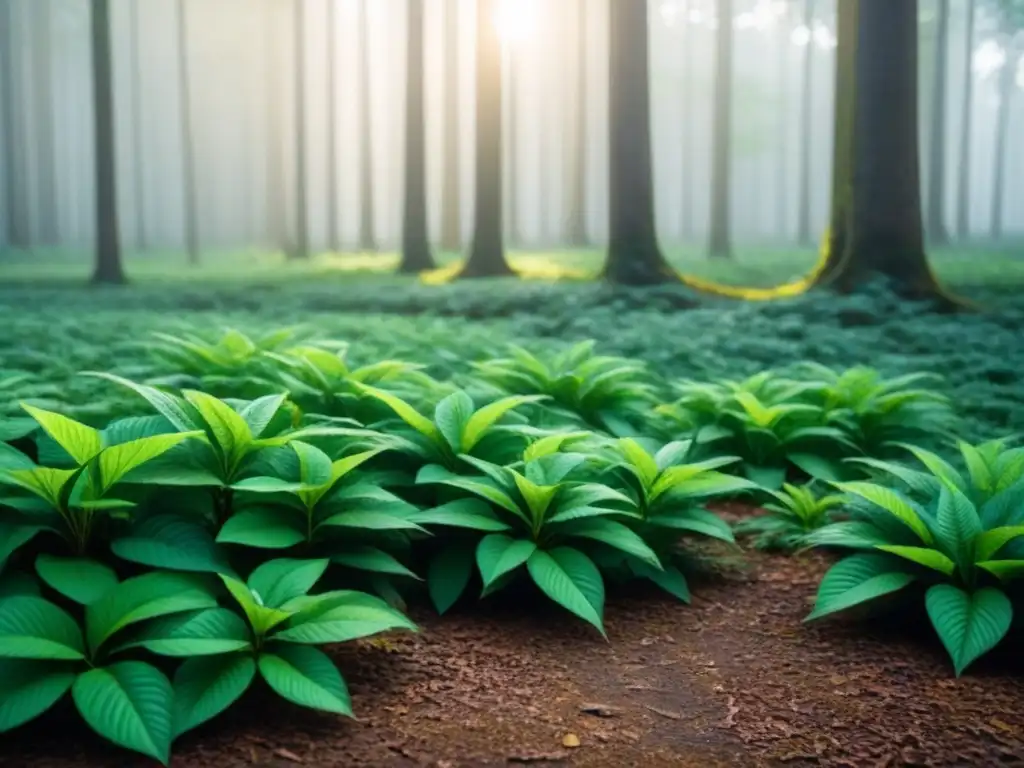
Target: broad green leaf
point(580, 513)
point(670, 579)
point(173, 543)
point(482, 487)
point(140, 598)
point(346, 616)
point(13, 537)
point(81, 442)
point(537, 497)
point(938, 467)
point(855, 580)
point(641, 462)
point(572, 580)
point(268, 485)
point(768, 477)
point(497, 555)
point(81, 580)
point(305, 676)
point(448, 574)
point(32, 628)
point(617, 536)
point(969, 625)
point(30, 688)
point(260, 412)
point(206, 632)
point(403, 410)
point(704, 485)
point(990, 542)
point(314, 464)
point(472, 514)
point(262, 528)
point(12, 458)
point(279, 581)
point(892, 502)
point(373, 560)
point(695, 521)
point(206, 686)
point(1004, 570)
point(929, 558)
point(550, 444)
point(853, 534)
point(48, 484)
point(129, 703)
point(170, 407)
point(451, 415)
point(370, 520)
point(977, 467)
point(817, 467)
point(117, 461)
point(958, 524)
point(554, 468)
point(261, 618)
point(481, 421)
point(227, 428)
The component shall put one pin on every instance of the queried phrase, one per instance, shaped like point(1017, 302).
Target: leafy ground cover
point(331, 462)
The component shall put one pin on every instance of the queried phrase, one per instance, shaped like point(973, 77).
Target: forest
point(511, 382)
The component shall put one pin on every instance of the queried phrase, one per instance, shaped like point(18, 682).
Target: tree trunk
point(188, 141)
point(333, 225)
point(138, 161)
point(18, 225)
point(686, 128)
point(782, 179)
point(719, 246)
point(963, 198)
point(277, 218)
point(515, 235)
point(634, 256)
point(578, 236)
point(367, 235)
point(1007, 83)
point(806, 130)
point(301, 249)
point(415, 236)
point(451, 216)
point(885, 227)
point(937, 233)
point(108, 245)
point(45, 141)
point(487, 252)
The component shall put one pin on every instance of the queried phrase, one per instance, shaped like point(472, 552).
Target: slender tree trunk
point(415, 236)
point(634, 256)
point(963, 197)
point(487, 252)
point(719, 246)
point(885, 231)
point(1007, 83)
point(782, 179)
point(515, 235)
point(139, 160)
point(277, 218)
point(188, 140)
point(45, 139)
point(18, 225)
point(578, 236)
point(108, 244)
point(451, 216)
point(367, 235)
point(333, 225)
point(937, 233)
point(301, 250)
point(806, 130)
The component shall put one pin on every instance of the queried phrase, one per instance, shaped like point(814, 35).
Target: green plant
point(604, 392)
point(796, 512)
point(958, 535)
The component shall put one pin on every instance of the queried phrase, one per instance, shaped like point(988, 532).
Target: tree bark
point(963, 198)
point(686, 128)
point(451, 204)
point(18, 226)
point(634, 256)
point(138, 161)
point(719, 246)
point(333, 225)
point(885, 236)
point(108, 244)
point(515, 238)
point(806, 130)
point(301, 249)
point(188, 142)
point(277, 218)
point(487, 252)
point(937, 233)
point(367, 234)
point(1007, 86)
point(45, 140)
point(578, 236)
point(415, 237)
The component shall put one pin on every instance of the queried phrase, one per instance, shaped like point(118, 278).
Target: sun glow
point(516, 20)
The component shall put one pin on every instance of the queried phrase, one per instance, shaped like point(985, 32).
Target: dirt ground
point(733, 680)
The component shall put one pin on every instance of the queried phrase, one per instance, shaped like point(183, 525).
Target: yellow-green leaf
point(489, 415)
point(929, 558)
point(82, 442)
point(893, 503)
point(118, 460)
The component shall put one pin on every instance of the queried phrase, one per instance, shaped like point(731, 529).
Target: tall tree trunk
point(487, 252)
point(45, 140)
point(885, 227)
point(844, 113)
point(515, 235)
point(1007, 85)
point(108, 244)
point(367, 234)
point(139, 159)
point(963, 196)
point(301, 249)
point(937, 233)
point(719, 246)
point(634, 256)
point(451, 203)
point(415, 235)
point(578, 236)
point(806, 129)
point(18, 225)
point(277, 217)
point(188, 141)
point(782, 178)
point(333, 225)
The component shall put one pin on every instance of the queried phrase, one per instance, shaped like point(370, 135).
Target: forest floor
point(733, 680)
